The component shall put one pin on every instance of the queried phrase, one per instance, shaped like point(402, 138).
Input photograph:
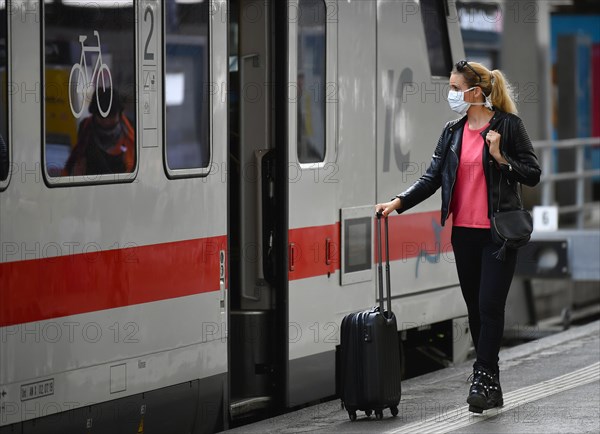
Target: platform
point(551, 385)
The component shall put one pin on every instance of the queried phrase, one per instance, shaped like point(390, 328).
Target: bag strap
point(490, 164)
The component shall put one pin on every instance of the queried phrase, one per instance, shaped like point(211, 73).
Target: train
point(202, 283)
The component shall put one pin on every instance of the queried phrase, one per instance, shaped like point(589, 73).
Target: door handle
point(292, 256)
point(328, 251)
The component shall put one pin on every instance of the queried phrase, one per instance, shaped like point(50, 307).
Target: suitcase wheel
point(368, 413)
point(394, 411)
point(352, 415)
point(379, 414)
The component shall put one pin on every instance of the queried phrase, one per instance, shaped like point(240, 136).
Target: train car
point(187, 210)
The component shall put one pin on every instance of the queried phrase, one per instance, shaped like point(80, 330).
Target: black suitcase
point(370, 352)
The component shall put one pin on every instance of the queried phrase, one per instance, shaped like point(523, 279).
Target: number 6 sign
point(545, 218)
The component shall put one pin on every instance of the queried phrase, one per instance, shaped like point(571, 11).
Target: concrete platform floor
point(551, 385)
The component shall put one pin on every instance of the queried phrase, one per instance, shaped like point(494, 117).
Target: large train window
point(4, 141)
point(186, 89)
point(312, 44)
point(433, 13)
point(89, 90)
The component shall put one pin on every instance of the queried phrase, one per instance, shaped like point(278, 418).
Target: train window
point(311, 80)
point(433, 13)
point(4, 148)
point(89, 89)
point(186, 85)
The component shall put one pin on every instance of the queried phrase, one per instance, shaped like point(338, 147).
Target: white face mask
point(456, 100)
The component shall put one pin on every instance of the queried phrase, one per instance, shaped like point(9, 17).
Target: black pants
point(484, 281)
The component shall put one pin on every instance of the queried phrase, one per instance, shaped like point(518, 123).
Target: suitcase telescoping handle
point(387, 265)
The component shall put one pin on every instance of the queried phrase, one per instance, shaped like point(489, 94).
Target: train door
point(314, 214)
point(257, 211)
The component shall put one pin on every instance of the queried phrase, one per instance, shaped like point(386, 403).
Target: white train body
point(122, 297)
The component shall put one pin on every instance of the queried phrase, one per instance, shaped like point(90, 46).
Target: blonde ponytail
point(493, 83)
point(502, 93)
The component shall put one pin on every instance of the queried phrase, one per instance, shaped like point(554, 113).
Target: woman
point(490, 141)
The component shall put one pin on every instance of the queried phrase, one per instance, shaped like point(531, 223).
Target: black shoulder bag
point(510, 229)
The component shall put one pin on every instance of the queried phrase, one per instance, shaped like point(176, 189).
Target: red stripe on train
point(40, 289)
point(307, 254)
point(411, 235)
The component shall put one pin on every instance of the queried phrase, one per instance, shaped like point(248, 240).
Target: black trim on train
point(280, 42)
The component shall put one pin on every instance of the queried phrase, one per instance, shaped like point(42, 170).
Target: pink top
point(470, 198)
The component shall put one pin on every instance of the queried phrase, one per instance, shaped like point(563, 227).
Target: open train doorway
point(257, 176)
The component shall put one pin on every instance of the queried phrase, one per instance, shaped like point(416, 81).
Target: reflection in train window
point(89, 88)
point(311, 81)
point(433, 13)
point(4, 148)
point(186, 85)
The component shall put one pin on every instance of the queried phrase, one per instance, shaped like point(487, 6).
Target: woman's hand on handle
point(388, 207)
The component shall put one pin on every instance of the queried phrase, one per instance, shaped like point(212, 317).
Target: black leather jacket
point(516, 148)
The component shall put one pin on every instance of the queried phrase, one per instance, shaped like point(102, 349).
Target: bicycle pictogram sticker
point(80, 84)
